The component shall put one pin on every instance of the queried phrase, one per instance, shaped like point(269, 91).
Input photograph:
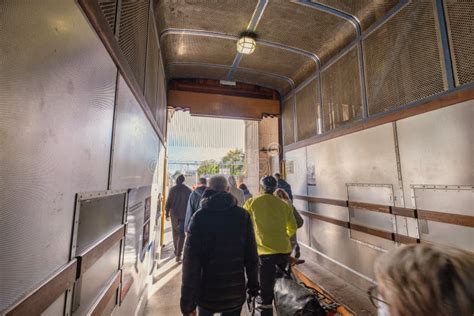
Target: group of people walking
point(235, 243)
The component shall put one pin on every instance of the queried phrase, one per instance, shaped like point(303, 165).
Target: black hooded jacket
point(220, 249)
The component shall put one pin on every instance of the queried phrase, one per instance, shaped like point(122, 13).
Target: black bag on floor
point(292, 298)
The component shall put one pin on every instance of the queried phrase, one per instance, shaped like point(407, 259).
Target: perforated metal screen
point(198, 49)
point(403, 60)
point(108, 8)
point(133, 35)
point(307, 111)
point(152, 69)
point(297, 25)
point(366, 11)
point(460, 20)
point(162, 106)
point(287, 117)
point(341, 91)
point(282, 62)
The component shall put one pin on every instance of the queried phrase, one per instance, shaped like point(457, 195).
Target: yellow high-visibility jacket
point(274, 223)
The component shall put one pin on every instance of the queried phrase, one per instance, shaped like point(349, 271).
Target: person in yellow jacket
point(274, 224)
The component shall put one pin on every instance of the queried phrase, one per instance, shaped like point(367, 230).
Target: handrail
point(101, 303)
point(89, 256)
point(43, 296)
point(441, 217)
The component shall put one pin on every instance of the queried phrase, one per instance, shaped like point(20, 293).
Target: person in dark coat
point(220, 252)
point(282, 184)
point(176, 209)
point(194, 199)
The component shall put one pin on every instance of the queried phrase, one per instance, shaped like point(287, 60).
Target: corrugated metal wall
point(421, 162)
point(65, 129)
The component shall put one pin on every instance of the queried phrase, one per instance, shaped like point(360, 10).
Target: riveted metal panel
point(288, 117)
point(332, 211)
point(289, 64)
point(364, 157)
point(366, 11)
point(436, 147)
point(302, 234)
point(295, 25)
point(402, 59)
point(459, 17)
point(446, 199)
point(307, 111)
point(198, 49)
point(98, 216)
point(133, 35)
point(175, 71)
point(136, 146)
point(152, 71)
point(57, 86)
point(340, 86)
point(227, 16)
point(95, 279)
point(109, 10)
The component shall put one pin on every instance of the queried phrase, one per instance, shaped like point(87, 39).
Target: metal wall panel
point(308, 114)
point(97, 218)
point(57, 308)
point(331, 211)
point(57, 86)
point(367, 156)
point(136, 146)
point(162, 111)
point(297, 177)
point(402, 59)
point(334, 241)
point(340, 88)
point(455, 200)
point(94, 280)
point(135, 268)
point(302, 234)
point(436, 147)
point(459, 17)
point(152, 71)
point(288, 119)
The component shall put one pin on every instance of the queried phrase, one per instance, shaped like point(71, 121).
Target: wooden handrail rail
point(441, 217)
point(42, 297)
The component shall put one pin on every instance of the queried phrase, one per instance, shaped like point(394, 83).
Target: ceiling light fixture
point(247, 43)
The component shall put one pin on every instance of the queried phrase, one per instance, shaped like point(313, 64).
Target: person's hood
point(217, 200)
point(232, 181)
point(200, 190)
point(180, 179)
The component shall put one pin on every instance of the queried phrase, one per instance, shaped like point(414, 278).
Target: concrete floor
point(165, 292)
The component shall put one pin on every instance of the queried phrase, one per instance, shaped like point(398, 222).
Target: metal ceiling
point(295, 38)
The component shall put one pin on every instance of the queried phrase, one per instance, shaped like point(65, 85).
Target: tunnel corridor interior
point(366, 108)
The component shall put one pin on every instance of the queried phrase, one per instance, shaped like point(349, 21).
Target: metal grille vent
point(307, 111)
point(152, 68)
point(133, 35)
point(460, 18)
point(109, 9)
point(341, 91)
point(287, 117)
point(403, 60)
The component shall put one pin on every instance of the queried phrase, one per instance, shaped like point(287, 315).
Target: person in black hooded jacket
point(220, 250)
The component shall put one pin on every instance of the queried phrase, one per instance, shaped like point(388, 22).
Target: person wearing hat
point(274, 224)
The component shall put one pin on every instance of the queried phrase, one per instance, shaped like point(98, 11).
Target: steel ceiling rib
point(265, 73)
point(292, 49)
point(401, 4)
point(257, 15)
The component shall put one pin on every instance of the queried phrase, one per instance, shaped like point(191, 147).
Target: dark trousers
point(267, 273)
point(177, 225)
point(205, 312)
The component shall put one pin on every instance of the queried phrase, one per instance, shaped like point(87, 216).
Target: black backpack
point(294, 299)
